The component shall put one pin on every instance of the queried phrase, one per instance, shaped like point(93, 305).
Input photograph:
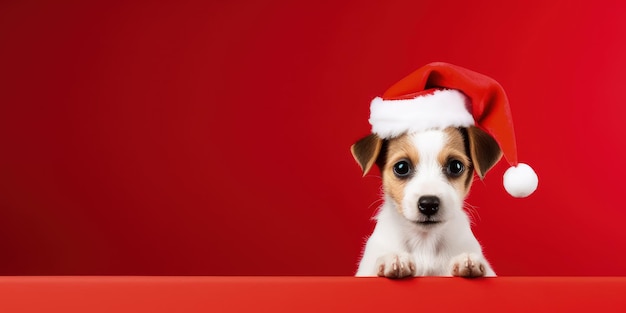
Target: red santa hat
point(441, 95)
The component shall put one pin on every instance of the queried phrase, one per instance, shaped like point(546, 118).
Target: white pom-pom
point(520, 181)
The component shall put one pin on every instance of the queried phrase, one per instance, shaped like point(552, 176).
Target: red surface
point(310, 294)
point(212, 137)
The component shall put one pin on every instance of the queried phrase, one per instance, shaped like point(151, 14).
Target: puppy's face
point(428, 174)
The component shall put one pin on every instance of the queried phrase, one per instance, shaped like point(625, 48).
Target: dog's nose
point(428, 205)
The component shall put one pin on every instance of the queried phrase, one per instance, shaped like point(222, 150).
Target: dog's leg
point(395, 265)
point(385, 258)
point(385, 253)
point(470, 265)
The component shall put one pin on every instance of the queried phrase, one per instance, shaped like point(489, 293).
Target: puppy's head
point(428, 174)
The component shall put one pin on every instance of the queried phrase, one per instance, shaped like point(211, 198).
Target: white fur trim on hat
point(520, 181)
point(441, 109)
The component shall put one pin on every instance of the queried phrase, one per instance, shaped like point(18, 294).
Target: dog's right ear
point(366, 151)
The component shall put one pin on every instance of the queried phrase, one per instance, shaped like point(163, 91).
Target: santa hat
point(441, 95)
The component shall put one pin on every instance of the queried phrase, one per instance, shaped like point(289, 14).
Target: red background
point(213, 137)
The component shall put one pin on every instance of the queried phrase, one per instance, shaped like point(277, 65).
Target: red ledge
point(309, 294)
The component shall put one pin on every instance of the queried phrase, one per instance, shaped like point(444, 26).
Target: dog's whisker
point(377, 203)
point(373, 176)
point(472, 211)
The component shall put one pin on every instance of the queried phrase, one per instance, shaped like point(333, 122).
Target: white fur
point(444, 108)
point(397, 242)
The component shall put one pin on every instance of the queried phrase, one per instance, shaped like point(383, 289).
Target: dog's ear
point(366, 151)
point(484, 150)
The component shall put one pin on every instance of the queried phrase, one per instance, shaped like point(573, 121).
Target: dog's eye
point(402, 169)
point(455, 168)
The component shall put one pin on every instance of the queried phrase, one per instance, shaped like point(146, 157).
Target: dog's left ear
point(366, 151)
point(485, 151)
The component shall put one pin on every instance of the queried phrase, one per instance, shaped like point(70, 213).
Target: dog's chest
point(430, 256)
point(430, 265)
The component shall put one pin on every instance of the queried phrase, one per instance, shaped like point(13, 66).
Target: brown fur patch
point(398, 149)
point(455, 148)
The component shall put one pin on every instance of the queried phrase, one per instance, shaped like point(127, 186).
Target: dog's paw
point(395, 265)
point(468, 265)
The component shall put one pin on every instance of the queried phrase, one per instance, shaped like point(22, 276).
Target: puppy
point(422, 228)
